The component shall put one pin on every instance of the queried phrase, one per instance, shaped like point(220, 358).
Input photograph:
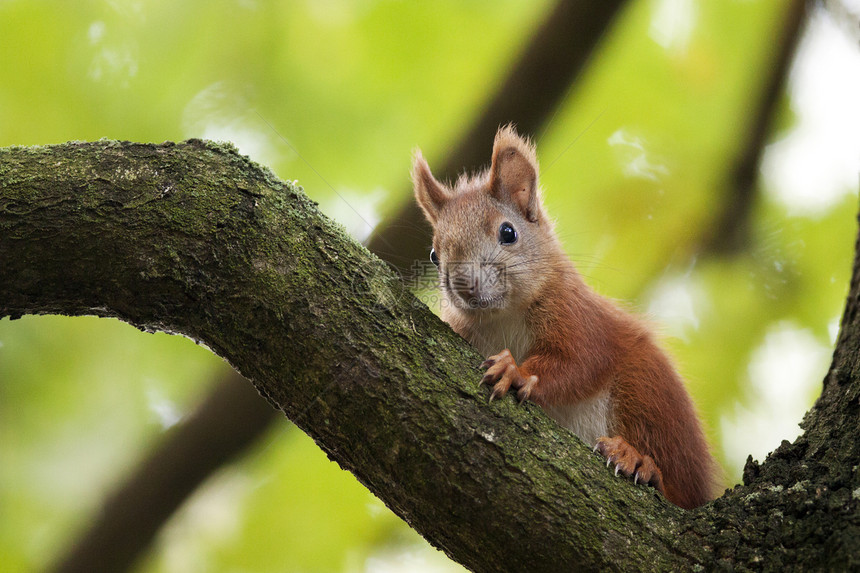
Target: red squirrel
point(511, 291)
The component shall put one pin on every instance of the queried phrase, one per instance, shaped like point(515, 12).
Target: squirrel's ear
point(430, 194)
point(514, 172)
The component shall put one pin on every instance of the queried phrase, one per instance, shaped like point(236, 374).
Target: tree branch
point(194, 239)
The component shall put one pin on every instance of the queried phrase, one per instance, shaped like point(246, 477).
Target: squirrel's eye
point(507, 234)
point(433, 258)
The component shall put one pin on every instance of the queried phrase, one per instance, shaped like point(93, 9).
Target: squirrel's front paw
point(629, 462)
point(503, 373)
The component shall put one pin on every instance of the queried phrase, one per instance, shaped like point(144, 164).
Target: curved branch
point(192, 238)
point(195, 239)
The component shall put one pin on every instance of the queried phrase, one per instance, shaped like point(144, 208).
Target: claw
point(629, 462)
point(525, 391)
point(503, 374)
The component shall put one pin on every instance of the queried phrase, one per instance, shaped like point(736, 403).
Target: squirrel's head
point(491, 235)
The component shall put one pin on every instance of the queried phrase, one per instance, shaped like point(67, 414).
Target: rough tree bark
point(194, 239)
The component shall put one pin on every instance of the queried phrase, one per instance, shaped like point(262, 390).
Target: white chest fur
point(588, 419)
point(495, 332)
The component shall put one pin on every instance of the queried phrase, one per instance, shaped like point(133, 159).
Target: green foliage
point(81, 400)
point(336, 94)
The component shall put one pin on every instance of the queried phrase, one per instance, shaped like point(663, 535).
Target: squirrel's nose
point(465, 285)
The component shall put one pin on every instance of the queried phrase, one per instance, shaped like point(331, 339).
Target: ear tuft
point(429, 193)
point(514, 172)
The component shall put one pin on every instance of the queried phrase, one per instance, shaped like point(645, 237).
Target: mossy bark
point(193, 238)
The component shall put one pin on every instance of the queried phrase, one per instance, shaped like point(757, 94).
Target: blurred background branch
point(528, 95)
point(229, 420)
point(730, 232)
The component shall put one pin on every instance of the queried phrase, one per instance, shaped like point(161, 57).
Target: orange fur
point(590, 364)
